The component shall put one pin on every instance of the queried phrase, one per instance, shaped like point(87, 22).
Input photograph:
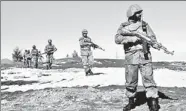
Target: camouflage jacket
point(133, 46)
point(49, 49)
point(34, 52)
point(85, 45)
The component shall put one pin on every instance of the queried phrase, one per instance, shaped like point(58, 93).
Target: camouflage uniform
point(86, 53)
point(137, 56)
point(34, 54)
point(24, 57)
point(49, 49)
point(28, 58)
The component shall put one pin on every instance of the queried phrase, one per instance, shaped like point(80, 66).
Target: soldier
point(35, 54)
point(75, 54)
point(138, 57)
point(49, 50)
point(86, 53)
point(24, 57)
point(28, 58)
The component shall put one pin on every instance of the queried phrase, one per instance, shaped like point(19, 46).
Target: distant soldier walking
point(138, 57)
point(28, 59)
point(24, 58)
point(49, 50)
point(86, 53)
point(35, 54)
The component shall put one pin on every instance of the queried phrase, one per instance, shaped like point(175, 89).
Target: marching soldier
point(35, 54)
point(86, 53)
point(49, 50)
point(28, 58)
point(24, 57)
point(138, 57)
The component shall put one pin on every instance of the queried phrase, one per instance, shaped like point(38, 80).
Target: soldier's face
point(50, 43)
point(84, 34)
point(138, 16)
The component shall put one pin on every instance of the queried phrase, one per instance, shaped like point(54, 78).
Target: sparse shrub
point(17, 56)
point(67, 56)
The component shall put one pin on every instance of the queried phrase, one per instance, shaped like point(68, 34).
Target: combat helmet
point(84, 31)
point(34, 46)
point(49, 40)
point(133, 9)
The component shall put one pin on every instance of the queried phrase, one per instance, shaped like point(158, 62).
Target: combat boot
point(87, 73)
point(90, 72)
point(130, 105)
point(47, 66)
point(153, 104)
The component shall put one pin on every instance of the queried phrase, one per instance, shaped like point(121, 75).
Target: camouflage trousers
point(131, 76)
point(35, 61)
point(49, 60)
point(87, 61)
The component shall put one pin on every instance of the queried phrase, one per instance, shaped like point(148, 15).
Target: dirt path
point(110, 98)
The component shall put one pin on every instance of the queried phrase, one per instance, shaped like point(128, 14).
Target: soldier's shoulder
point(81, 38)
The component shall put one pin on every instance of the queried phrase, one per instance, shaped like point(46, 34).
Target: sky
point(28, 23)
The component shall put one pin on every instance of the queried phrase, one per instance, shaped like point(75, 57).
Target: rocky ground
point(109, 98)
point(65, 89)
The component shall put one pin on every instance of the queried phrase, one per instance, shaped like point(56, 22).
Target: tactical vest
point(50, 48)
point(146, 46)
point(85, 40)
point(34, 52)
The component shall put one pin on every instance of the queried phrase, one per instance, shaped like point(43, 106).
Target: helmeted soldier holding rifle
point(34, 54)
point(49, 51)
point(24, 58)
point(86, 52)
point(137, 37)
point(28, 59)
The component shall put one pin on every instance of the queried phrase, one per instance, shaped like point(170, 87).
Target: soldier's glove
point(94, 46)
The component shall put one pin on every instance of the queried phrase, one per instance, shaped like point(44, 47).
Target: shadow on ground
point(99, 73)
point(141, 97)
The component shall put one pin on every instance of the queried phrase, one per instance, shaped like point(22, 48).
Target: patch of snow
point(98, 62)
point(73, 77)
point(63, 62)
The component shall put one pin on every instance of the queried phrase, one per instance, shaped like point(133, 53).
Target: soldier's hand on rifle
point(94, 46)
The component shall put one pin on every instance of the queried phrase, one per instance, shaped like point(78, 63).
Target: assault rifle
point(152, 42)
point(97, 46)
point(47, 52)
